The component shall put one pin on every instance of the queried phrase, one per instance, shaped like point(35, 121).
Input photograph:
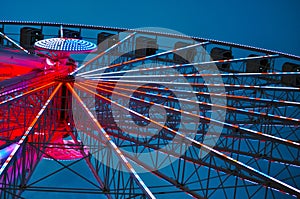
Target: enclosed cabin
point(221, 54)
point(184, 56)
point(105, 40)
point(145, 46)
point(291, 80)
point(257, 65)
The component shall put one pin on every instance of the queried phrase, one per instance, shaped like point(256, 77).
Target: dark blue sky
point(272, 24)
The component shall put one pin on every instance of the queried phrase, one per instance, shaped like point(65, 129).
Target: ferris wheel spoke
point(277, 183)
point(225, 148)
point(27, 93)
point(101, 183)
point(226, 143)
point(228, 108)
point(189, 157)
point(254, 154)
point(160, 174)
point(166, 177)
point(144, 58)
point(14, 43)
point(102, 54)
point(111, 144)
point(216, 122)
point(197, 64)
point(233, 75)
point(235, 86)
point(201, 93)
point(23, 82)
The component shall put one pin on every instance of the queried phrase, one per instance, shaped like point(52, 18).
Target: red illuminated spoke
point(25, 82)
point(21, 141)
point(27, 93)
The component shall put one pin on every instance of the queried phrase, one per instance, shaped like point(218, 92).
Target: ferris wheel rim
point(117, 29)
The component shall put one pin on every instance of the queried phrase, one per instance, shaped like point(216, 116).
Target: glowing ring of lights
point(66, 45)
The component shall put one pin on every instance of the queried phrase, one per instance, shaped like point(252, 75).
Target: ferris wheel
point(103, 112)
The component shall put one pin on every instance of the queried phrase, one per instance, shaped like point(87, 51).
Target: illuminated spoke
point(237, 86)
point(102, 54)
point(227, 125)
point(229, 108)
point(207, 94)
point(121, 157)
point(174, 76)
point(143, 58)
point(27, 93)
point(13, 42)
point(203, 64)
point(28, 131)
point(207, 148)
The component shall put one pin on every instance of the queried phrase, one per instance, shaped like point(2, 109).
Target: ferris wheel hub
point(66, 78)
point(61, 49)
